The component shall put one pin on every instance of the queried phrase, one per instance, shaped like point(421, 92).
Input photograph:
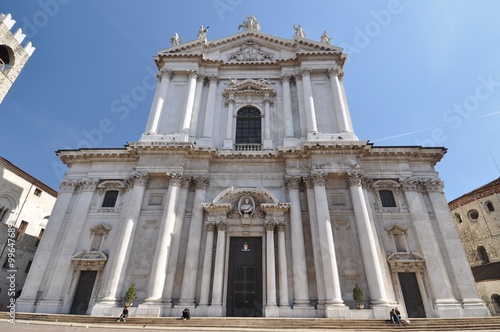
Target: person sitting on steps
point(394, 317)
point(185, 314)
point(124, 315)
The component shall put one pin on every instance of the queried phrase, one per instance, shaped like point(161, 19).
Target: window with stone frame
point(98, 234)
point(110, 198)
point(457, 217)
point(248, 126)
point(398, 233)
point(387, 198)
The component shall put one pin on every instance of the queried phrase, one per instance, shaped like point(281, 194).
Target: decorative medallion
point(245, 247)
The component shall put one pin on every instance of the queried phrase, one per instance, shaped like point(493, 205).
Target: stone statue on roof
point(250, 24)
point(325, 38)
point(299, 32)
point(175, 40)
point(202, 32)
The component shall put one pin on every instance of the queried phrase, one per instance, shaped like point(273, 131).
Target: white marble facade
point(250, 195)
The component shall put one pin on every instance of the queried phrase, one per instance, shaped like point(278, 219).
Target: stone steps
point(421, 324)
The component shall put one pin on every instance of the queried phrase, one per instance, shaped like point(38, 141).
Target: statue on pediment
point(250, 24)
point(175, 40)
point(202, 32)
point(325, 38)
point(299, 32)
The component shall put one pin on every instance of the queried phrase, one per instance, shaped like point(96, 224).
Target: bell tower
point(13, 56)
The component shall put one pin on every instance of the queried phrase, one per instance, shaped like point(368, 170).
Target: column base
point(268, 144)
point(227, 145)
point(205, 142)
point(291, 142)
point(151, 309)
point(271, 311)
point(50, 306)
point(337, 311)
point(26, 304)
point(474, 308)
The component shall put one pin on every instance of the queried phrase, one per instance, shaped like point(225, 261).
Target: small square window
point(37, 192)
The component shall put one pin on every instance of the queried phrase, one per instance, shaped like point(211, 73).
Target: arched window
point(5, 58)
point(483, 254)
point(387, 198)
point(110, 198)
point(248, 129)
point(489, 207)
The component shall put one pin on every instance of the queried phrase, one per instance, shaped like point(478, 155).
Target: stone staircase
point(420, 324)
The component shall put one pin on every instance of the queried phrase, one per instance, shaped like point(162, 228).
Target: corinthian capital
point(335, 71)
point(201, 181)
point(285, 78)
point(213, 79)
point(165, 73)
point(192, 73)
point(174, 179)
point(354, 179)
point(139, 178)
point(434, 185)
point(88, 184)
point(68, 186)
point(414, 184)
point(319, 179)
point(293, 182)
point(303, 72)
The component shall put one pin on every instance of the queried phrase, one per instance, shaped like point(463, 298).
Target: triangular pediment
point(249, 46)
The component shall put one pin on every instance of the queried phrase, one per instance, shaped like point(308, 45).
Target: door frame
point(226, 267)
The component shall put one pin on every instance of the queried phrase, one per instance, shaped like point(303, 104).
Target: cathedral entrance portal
point(411, 294)
point(244, 291)
point(83, 292)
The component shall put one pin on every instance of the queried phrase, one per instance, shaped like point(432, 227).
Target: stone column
point(161, 256)
point(270, 266)
point(368, 241)
point(44, 258)
point(176, 240)
point(218, 282)
point(193, 132)
point(119, 256)
point(188, 289)
point(313, 220)
point(338, 100)
point(299, 264)
point(282, 269)
point(207, 266)
point(330, 270)
point(435, 267)
point(160, 96)
point(53, 299)
point(188, 111)
point(228, 142)
point(287, 106)
point(268, 143)
point(210, 110)
point(309, 101)
point(455, 254)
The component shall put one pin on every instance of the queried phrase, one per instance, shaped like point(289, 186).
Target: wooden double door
point(244, 291)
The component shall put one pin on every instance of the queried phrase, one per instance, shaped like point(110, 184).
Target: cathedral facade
point(249, 194)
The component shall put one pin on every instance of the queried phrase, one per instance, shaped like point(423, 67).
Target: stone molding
point(111, 185)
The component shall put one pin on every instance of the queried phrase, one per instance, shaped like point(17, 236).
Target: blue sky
point(419, 73)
